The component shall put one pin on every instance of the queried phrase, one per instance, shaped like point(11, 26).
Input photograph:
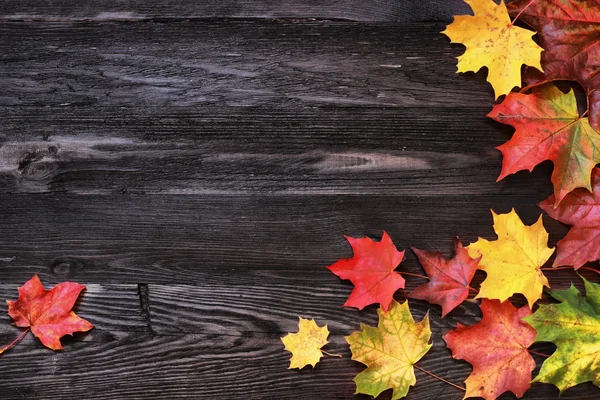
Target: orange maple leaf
point(497, 349)
point(48, 312)
point(371, 270)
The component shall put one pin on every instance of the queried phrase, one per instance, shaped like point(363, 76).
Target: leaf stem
point(585, 113)
point(473, 289)
point(331, 354)
point(557, 268)
point(417, 275)
point(526, 88)
point(537, 353)
point(439, 378)
point(21, 336)
point(521, 12)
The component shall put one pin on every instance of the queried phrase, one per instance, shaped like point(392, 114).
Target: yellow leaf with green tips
point(390, 351)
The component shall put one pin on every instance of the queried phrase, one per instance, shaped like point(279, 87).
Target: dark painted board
point(203, 366)
point(237, 63)
point(200, 239)
point(231, 151)
point(127, 10)
point(234, 349)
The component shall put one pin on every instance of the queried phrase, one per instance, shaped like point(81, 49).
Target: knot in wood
point(39, 171)
point(65, 266)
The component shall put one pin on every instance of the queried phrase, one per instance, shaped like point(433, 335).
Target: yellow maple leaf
point(513, 262)
point(492, 41)
point(390, 351)
point(305, 345)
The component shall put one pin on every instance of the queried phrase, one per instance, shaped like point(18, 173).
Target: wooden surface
point(197, 165)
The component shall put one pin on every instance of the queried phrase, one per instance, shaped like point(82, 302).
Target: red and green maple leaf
point(371, 270)
point(581, 209)
point(548, 127)
point(47, 313)
point(497, 349)
point(449, 279)
point(569, 31)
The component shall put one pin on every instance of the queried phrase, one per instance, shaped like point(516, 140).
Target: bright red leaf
point(371, 270)
point(449, 279)
point(580, 208)
point(48, 312)
point(497, 349)
point(569, 32)
point(548, 127)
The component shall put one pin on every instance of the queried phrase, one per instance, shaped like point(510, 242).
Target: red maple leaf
point(449, 279)
point(580, 208)
point(497, 349)
point(371, 270)
point(48, 312)
point(548, 127)
point(569, 32)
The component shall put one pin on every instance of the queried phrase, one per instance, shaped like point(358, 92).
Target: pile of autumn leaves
point(548, 127)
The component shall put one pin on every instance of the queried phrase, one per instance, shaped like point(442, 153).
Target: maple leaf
point(569, 32)
point(449, 279)
point(371, 270)
point(548, 127)
point(305, 345)
point(497, 349)
point(512, 263)
point(48, 312)
point(390, 351)
point(492, 41)
point(580, 208)
point(574, 327)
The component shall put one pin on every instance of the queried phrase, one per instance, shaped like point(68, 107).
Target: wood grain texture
point(108, 307)
point(198, 177)
point(128, 10)
point(238, 63)
point(216, 343)
point(231, 151)
point(227, 239)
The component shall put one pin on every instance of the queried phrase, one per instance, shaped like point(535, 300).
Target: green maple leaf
point(390, 351)
point(574, 327)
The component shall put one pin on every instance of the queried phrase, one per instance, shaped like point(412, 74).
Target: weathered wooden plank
point(355, 10)
point(227, 239)
point(213, 364)
point(239, 63)
point(233, 151)
point(108, 307)
point(274, 307)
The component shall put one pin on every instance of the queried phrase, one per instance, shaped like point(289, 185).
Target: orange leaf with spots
point(47, 313)
point(497, 349)
point(371, 270)
point(492, 41)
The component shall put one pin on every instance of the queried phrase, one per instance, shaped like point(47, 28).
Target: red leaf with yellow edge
point(569, 31)
point(548, 127)
point(48, 312)
point(449, 279)
point(580, 208)
point(497, 349)
point(371, 270)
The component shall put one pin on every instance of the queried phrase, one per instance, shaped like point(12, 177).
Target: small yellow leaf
point(305, 345)
point(513, 262)
point(493, 42)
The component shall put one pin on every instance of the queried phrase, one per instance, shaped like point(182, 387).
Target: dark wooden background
point(197, 163)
